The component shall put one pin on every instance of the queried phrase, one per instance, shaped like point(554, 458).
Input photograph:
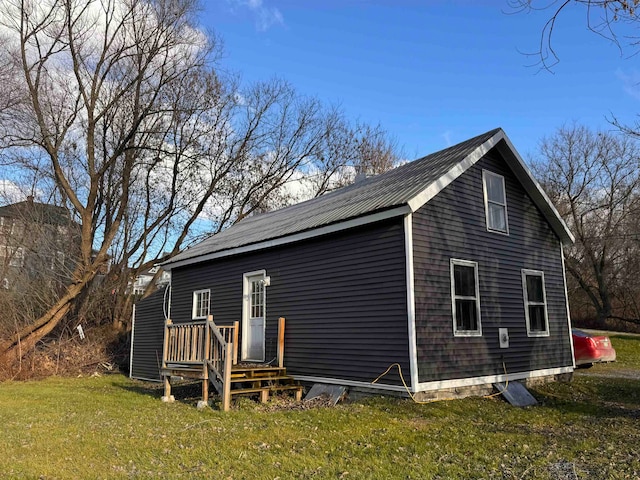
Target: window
point(465, 298)
point(535, 303)
point(495, 202)
point(201, 299)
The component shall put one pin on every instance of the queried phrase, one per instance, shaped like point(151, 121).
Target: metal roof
point(410, 186)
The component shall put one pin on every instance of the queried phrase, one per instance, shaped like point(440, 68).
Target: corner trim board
point(133, 329)
point(411, 306)
point(566, 301)
point(473, 381)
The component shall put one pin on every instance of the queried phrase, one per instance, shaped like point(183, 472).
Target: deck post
point(167, 398)
point(236, 331)
point(165, 347)
point(205, 359)
point(281, 322)
point(226, 381)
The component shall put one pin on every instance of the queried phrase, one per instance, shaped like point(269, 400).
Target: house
point(38, 242)
point(450, 266)
point(144, 278)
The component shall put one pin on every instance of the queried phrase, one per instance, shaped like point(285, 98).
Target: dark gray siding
point(148, 334)
point(452, 225)
point(343, 295)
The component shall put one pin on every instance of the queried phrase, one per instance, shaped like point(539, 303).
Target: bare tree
point(614, 20)
point(123, 119)
point(594, 179)
point(96, 75)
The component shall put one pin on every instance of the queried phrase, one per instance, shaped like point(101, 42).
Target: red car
point(589, 349)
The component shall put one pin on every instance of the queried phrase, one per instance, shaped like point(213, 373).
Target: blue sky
point(432, 73)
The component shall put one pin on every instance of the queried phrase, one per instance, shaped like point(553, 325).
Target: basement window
point(535, 303)
point(201, 302)
point(465, 298)
point(495, 202)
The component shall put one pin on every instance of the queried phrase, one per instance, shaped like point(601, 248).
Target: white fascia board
point(538, 192)
point(411, 303)
point(349, 383)
point(296, 237)
point(489, 379)
point(436, 187)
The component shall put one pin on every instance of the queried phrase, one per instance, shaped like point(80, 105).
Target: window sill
point(537, 334)
point(465, 333)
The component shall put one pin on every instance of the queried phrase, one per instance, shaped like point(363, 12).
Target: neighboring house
point(451, 266)
point(143, 279)
point(38, 241)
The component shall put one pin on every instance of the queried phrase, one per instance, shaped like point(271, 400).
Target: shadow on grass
point(187, 393)
point(594, 396)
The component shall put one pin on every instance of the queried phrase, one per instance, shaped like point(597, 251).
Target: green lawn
point(111, 427)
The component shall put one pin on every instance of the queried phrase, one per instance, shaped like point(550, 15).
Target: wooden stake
point(236, 331)
point(281, 342)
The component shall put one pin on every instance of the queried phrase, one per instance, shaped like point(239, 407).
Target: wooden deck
point(204, 351)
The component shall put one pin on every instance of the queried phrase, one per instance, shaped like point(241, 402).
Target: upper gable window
point(495, 202)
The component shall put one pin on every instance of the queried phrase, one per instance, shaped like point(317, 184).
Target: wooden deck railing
point(202, 343)
point(184, 342)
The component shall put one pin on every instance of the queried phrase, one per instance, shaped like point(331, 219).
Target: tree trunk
point(23, 341)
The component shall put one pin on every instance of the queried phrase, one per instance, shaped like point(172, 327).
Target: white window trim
point(536, 273)
point(195, 304)
point(486, 173)
point(465, 263)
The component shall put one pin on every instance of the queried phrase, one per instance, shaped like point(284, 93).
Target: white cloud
point(446, 136)
point(630, 82)
point(264, 16)
point(10, 192)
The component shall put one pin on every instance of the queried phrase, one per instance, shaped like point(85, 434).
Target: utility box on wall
point(503, 334)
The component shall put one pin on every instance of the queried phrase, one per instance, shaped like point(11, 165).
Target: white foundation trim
point(350, 383)
point(411, 302)
point(155, 380)
point(488, 379)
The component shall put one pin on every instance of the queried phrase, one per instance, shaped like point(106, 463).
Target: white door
point(253, 318)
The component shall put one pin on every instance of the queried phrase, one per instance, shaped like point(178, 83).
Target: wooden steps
point(260, 380)
point(202, 350)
